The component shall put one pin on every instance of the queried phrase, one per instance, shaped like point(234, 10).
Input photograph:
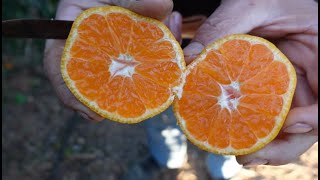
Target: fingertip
point(158, 9)
point(253, 159)
point(302, 119)
point(190, 58)
point(242, 159)
point(84, 115)
point(255, 162)
point(192, 51)
point(97, 118)
point(92, 117)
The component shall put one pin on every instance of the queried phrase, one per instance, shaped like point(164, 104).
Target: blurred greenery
point(20, 99)
point(28, 8)
point(25, 52)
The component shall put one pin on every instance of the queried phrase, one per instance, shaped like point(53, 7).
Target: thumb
point(280, 151)
point(158, 9)
point(232, 17)
point(302, 120)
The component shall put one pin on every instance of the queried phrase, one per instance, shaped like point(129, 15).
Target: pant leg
point(166, 141)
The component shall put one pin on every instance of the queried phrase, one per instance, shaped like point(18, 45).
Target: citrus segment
point(159, 51)
point(207, 86)
point(159, 72)
point(147, 32)
point(109, 93)
point(219, 130)
point(88, 86)
point(259, 58)
point(261, 124)
point(83, 50)
point(268, 104)
point(90, 29)
point(214, 65)
point(79, 69)
point(236, 95)
point(202, 101)
point(122, 65)
point(236, 53)
point(94, 31)
point(129, 103)
point(156, 94)
point(241, 136)
point(120, 25)
point(274, 79)
point(204, 116)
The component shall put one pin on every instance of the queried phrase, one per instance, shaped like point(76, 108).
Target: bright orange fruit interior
point(231, 99)
point(124, 64)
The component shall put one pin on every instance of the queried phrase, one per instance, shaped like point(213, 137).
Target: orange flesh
point(231, 98)
point(103, 40)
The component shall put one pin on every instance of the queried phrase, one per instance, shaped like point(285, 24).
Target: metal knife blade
point(36, 28)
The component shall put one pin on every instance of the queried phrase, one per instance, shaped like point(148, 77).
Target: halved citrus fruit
point(122, 65)
point(236, 95)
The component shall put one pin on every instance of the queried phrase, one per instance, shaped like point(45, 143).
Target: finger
point(299, 120)
point(232, 17)
point(70, 101)
point(302, 120)
point(69, 10)
point(158, 9)
point(53, 51)
point(303, 95)
point(287, 19)
point(301, 47)
point(174, 23)
point(281, 151)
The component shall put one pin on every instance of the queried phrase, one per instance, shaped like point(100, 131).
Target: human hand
point(292, 25)
point(69, 10)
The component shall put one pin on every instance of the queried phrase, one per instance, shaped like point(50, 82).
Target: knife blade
point(36, 28)
point(59, 29)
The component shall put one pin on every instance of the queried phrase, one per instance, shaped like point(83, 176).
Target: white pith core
point(230, 96)
point(124, 65)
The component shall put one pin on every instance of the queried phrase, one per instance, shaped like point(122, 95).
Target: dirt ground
point(43, 140)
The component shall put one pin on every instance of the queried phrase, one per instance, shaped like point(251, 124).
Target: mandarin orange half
point(236, 95)
point(123, 66)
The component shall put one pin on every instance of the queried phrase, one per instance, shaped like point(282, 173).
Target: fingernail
point(255, 162)
point(298, 128)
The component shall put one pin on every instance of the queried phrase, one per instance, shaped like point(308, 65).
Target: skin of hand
point(69, 10)
point(292, 25)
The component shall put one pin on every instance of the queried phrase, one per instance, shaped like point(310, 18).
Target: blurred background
point(43, 140)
